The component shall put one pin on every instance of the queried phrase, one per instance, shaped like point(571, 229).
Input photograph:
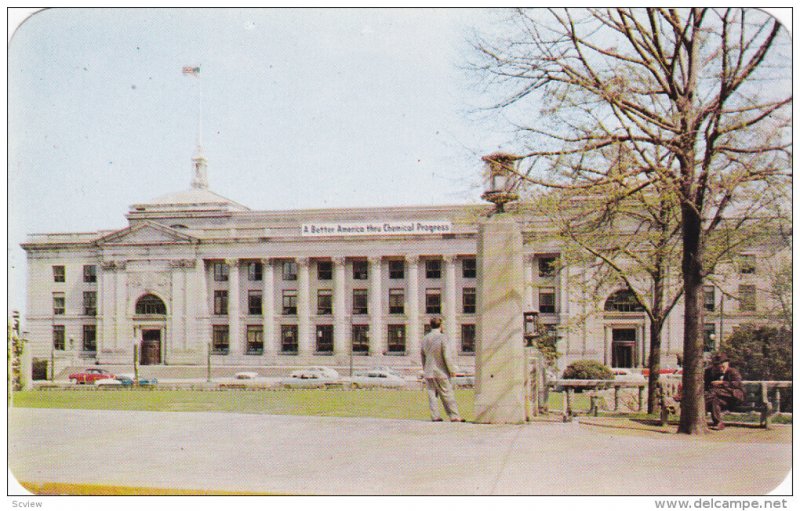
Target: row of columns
point(306, 341)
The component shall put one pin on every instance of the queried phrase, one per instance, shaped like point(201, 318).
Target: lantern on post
point(532, 326)
point(501, 179)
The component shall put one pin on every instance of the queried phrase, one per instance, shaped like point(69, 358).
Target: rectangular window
point(396, 301)
point(361, 339)
point(468, 338)
point(58, 304)
point(325, 339)
point(468, 300)
point(255, 339)
point(397, 269)
point(433, 268)
point(289, 270)
point(220, 302)
point(255, 271)
point(89, 338)
point(220, 272)
point(360, 270)
point(709, 337)
point(709, 298)
point(433, 301)
point(397, 339)
point(324, 302)
point(58, 337)
point(90, 303)
point(289, 339)
point(469, 268)
point(89, 273)
point(289, 302)
point(324, 270)
point(747, 264)
point(747, 298)
point(254, 303)
point(59, 274)
point(360, 301)
point(219, 341)
point(547, 300)
point(547, 266)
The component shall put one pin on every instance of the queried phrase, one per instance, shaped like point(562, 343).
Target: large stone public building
point(194, 271)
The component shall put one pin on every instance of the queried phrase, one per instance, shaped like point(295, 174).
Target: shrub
point(760, 352)
point(587, 370)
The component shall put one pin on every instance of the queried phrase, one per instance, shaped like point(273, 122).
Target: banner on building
point(376, 228)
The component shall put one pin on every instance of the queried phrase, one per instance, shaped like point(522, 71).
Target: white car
point(317, 372)
point(387, 369)
point(300, 379)
point(376, 378)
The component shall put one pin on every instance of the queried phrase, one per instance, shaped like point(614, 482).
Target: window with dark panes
point(289, 302)
point(547, 266)
point(220, 302)
point(433, 301)
point(547, 300)
point(254, 303)
point(324, 302)
point(360, 301)
point(747, 264)
point(360, 270)
point(219, 340)
point(747, 298)
point(468, 300)
point(709, 300)
point(325, 339)
point(289, 270)
point(468, 338)
point(255, 271)
point(397, 269)
point(397, 338)
point(220, 271)
point(255, 339)
point(433, 268)
point(360, 339)
point(58, 304)
point(396, 301)
point(89, 338)
point(90, 303)
point(324, 270)
point(288, 338)
point(59, 274)
point(150, 304)
point(58, 337)
point(89, 273)
point(469, 268)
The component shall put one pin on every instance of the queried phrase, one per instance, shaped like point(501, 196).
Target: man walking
point(438, 366)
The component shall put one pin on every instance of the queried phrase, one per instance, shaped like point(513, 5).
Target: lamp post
point(501, 180)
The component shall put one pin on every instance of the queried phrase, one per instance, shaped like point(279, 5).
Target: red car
point(90, 375)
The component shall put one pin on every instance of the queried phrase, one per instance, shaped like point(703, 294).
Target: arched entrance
point(624, 325)
point(150, 324)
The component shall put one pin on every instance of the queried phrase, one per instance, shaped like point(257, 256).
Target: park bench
point(756, 399)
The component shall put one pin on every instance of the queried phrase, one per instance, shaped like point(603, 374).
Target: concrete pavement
point(363, 456)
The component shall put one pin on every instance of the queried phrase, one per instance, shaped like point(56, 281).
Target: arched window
point(622, 301)
point(150, 304)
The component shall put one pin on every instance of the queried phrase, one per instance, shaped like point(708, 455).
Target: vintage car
point(375, 378)
point(316, 372)
point(90, 375)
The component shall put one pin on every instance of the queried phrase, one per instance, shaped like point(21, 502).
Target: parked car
point(315, 372)
point(90, 375)
point(127, 380)
point(661, 372)
point(306, 380)
point(376, 378)
point(387, 369)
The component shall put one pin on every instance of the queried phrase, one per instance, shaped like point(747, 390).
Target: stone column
point(562, 299)
point(529, 260)
point(340, 329)
point(449, 309)
point(106, 308)
point(234, 337)
point(268, 307)
point(376, 344)
point(202, 327)
point(123, 333)
point(412, 307)
point(305, 341)
point(500, 354)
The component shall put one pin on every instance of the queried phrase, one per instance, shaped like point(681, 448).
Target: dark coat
point(732, 385)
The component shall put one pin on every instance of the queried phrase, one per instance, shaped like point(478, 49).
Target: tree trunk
point(693, 408)
point(655, 364)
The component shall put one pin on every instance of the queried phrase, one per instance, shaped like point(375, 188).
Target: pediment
point(147, 233)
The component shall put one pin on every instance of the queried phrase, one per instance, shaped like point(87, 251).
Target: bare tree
point(697, 99)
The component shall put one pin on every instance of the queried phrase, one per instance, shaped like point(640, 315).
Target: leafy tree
point(761, 352)
point(665, 102)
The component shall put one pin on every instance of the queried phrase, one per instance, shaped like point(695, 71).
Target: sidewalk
point(328, 455)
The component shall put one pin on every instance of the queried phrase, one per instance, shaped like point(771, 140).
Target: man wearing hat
point(723, 386)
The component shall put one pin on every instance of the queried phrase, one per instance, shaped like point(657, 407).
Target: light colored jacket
point(437, 361)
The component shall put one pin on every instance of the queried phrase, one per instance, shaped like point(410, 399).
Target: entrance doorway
point(151, 347)
point(623, 347)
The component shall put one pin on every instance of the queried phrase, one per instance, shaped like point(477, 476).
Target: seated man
point(723, 388)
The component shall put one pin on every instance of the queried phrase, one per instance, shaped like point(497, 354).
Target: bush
point(587, 370)
point(760, 352)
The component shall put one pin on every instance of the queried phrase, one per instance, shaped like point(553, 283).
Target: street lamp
point(501, 179)
point(532, 327)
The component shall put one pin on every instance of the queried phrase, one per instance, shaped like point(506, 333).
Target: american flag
point(191, 70)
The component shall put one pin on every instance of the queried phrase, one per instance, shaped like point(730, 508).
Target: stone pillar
point(412, 307)
point(340, 329)
point(105, 308)
point(376, 344)
point(268, 307)
point(123, 333)
point(202, 326)
point(450, 300)
point(562, 299)
point(500, 353)
point(305, 341)
point(529, 260)
point(234, 337)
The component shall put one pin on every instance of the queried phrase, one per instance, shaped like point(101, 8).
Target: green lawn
point(389, 404)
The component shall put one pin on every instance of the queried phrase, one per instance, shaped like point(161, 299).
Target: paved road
point(329, 455)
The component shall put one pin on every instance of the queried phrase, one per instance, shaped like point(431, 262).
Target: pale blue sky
point(302, 108)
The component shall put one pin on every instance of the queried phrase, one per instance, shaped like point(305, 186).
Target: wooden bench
point(756, 399)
